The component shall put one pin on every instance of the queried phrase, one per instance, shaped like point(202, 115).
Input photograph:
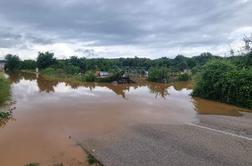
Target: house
point(2, 63)
point(102, 74)
point(186, 71)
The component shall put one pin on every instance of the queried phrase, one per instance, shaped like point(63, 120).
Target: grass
point(90, 158)
point(4, 89)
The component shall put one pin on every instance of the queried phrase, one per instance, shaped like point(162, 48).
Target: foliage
point(184, 77)
point(156, 74)
point(12, 62)
point(49, 71)
point(78, 62)
point(92, 160)
point(4, 89)
point(5, 115)
point(28, 65)
point(71, 69)
point(223, 81)
point(89, 76)
point(45, 60)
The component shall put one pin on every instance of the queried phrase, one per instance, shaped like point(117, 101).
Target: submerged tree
point(45, 60)
point(12, 62)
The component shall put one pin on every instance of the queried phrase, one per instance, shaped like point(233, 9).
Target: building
point(102, 74)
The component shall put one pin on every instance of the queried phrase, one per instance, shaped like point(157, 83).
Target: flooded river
point(51, 118)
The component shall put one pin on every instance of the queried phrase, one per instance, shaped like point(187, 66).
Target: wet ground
point(136, 124)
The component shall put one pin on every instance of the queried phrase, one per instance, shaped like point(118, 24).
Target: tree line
point(156, 68)
point(226, 79)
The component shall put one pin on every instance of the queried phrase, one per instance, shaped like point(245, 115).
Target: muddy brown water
point(51, 117)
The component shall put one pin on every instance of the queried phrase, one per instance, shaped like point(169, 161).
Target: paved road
point(214, 140)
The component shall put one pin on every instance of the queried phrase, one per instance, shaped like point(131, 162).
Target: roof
point(104, 73)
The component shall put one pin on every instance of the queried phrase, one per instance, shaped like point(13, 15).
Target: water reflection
point(179, 90)
point(48, 112)
point(44, 85)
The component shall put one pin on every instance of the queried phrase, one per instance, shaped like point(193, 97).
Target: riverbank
point(4, 89)
point(4, 97)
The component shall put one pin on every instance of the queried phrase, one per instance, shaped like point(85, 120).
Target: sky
point(123, 28)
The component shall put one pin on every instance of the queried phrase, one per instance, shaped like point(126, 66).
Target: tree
point(28, 64)
point(71, 69)
point(184, 77)
point(223, 81)
point(45, 60)
point(79, 62)
point(12, 62)
point(180, 63)
point(156, 74)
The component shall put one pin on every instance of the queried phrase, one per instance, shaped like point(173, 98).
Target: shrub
point(184, 77)
point(89, 76)
point(49, 71)
point(28, 64)
point(70, 69)
point(156, 74)
point(4, 89)
point(221, 80)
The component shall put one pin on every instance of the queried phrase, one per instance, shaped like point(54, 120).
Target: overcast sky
point(122, 28)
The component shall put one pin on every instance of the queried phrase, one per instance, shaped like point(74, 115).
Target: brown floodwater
point(51, 117)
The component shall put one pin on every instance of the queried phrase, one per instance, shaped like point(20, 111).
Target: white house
point(102, 74)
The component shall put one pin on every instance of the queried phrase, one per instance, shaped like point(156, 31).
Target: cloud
point(113, 28)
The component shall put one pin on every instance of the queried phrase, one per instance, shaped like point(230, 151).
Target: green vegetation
point(5, 115)
point(4, 89)
point(45, 60)
point(4, 96)
point(28, 65)
point(89, 76)
point(12, 62)
point(184, 77)
point(224, 81)
point(159, 74)
point(92, 160)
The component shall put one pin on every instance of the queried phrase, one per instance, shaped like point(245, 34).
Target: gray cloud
point(156, 24)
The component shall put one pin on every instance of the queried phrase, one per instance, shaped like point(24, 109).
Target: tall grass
point(4, 89)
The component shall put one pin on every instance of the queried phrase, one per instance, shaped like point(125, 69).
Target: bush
point(89, 76)
point(48, 71)
point(4, 89)
point(184, 77)
point(221, 80)
point(159, 74)
point(28, 65)
point(70, 69)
